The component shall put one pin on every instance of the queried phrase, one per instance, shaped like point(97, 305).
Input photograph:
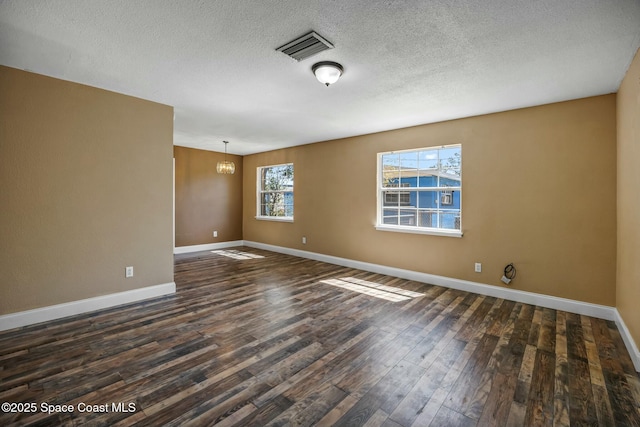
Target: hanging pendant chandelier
point(226, 166)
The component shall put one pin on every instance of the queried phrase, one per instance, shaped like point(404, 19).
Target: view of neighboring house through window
point(275, 192)
point(420, 190)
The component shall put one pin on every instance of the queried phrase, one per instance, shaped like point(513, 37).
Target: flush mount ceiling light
point(327, 72)
point(226, 166)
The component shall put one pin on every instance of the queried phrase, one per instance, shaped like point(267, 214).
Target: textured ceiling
point(406, 62)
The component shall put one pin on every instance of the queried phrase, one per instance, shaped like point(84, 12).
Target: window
point(419, 190)
point(275, 192)
point(401, 197)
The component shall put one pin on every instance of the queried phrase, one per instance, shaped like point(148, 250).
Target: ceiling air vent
point(305, 46)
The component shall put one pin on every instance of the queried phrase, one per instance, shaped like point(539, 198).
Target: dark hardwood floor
point(268, 339)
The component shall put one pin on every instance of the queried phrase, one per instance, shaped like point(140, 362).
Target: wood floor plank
point(525, 375)
point(448, 417)
point(620, 394)
point(477, 335)
point(440, 346)
point(598, 385)
point(413, 404)
point(468, 330)
point(461, 395)
point(385, 395)
point(561, 412)
point(337, 412)
point(517, 413)
point(312, 408)
point(492, 405)
point(497, 404)
point(268, 412)
point(427, 414)
point(505, 358)
point(540, 402)
point(263, 339)
point(377, 366)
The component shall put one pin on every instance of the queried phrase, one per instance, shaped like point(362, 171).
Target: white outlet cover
point(478, 267)
point(128, 272)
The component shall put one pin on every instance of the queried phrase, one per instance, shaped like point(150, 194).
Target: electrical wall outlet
point(215, 234)
point(128, 271)
point(478, 267)
point(304, 240)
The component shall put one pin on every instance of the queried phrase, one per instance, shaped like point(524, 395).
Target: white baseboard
point(52, 312)
point(556, 303)
point(629, 342)
point(207, 247)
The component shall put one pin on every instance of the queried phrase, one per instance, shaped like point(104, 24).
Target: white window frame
point(380, 194)
point(260, 192)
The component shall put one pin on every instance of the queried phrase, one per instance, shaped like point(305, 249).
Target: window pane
point(408, 160)
point(428, 199)
point(408, 217)
point(450, 161)
point(390, 198)
point(409, 198)
point(408, 169)
point(390, 216)
point(428, 160)
point(390, 170)
point(427, 218)
point(453, 181)
point(277, 178)
point(450, 219)
point(270, 180)
point(288, 204)
point(409, 178)
point(428, 179)
point(272, 204)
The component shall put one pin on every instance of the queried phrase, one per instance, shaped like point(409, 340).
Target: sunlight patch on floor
point(377, 290)
point(232, 253)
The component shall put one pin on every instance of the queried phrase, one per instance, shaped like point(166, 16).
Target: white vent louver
point(305, 46)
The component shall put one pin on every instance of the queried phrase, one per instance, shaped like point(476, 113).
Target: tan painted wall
point(205, 200)
point(539, 190)
point(85, 190)
point(628, 279)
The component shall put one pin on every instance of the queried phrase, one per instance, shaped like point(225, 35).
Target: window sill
point(275, 218)
point(416, 230)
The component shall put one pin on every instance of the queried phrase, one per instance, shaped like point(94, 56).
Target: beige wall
point(85, 176)
point(85, 190)
point(628, 280)
point(205, 200)
point(539, 190)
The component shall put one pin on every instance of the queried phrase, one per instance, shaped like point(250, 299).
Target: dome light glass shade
point(327, 72)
